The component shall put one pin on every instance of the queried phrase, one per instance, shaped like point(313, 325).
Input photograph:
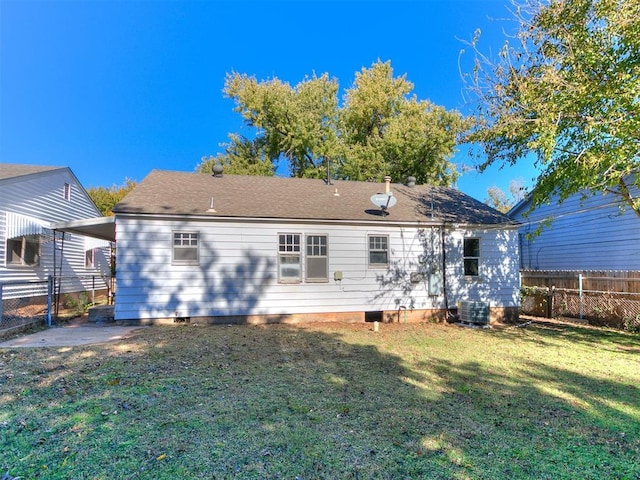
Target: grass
point(327, 401)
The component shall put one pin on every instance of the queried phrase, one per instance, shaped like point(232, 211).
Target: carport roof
point(103, 228)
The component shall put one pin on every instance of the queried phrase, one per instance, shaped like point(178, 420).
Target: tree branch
point(628, 198)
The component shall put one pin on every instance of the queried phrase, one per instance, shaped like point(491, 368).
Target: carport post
point(49, 295)
point(1, 301)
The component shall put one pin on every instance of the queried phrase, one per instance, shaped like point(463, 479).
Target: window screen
point(23, 251)
point(289, 268)
point(317, 260)
point(378, 250)
point(185, 248)
point(88, 258)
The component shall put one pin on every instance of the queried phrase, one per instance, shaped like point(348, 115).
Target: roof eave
point(27, 176)
point(382, 222)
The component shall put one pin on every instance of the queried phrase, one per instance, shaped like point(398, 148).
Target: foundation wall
point(497, 314)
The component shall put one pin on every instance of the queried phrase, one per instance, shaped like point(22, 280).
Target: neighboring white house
point(593, 232)
point(231, 248)
point(33, 199)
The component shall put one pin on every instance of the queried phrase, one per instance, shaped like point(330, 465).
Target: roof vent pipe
point(387, 183)
point(411, 182)
point(217, 170)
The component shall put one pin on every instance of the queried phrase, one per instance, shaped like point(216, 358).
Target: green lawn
point(330, 401)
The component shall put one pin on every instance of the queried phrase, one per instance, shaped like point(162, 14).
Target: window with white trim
point(378, 250)
point(471, 253)
point(24, 251)
point(289, 264)
point(185, 249)
point(317, 260)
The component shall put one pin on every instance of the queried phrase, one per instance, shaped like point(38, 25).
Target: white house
point(230, 248)
point(592, 232)
point(33, 199)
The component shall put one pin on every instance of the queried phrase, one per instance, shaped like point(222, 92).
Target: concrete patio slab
point(72, 335)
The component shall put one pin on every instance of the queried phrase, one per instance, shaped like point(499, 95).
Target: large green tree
point(498, 199)
point(380, 128)
point(105, 198)
point(385, 129)
point(566, 89)
point(242, 156)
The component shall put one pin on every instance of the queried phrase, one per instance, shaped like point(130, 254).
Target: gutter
point(444, 269)
point(318, 221)
point(272, 220)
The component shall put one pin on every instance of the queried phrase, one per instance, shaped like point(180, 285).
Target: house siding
point(590, 234)
point(238, 270)
point(498, 281)
point(41, 196)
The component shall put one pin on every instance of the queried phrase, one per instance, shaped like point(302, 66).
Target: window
point(24, 251)
point(289, 268)
point(88, 258)
point(317, 261)
point(290, 258)
point(378, 250)
point(471, 256)
point(67, 191)
point(185, 248)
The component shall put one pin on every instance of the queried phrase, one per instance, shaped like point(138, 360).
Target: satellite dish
point(383, 201)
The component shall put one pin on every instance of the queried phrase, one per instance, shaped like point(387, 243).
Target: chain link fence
point(611, 308)
point(23, 304)
point(27, 303)
point(72, 295)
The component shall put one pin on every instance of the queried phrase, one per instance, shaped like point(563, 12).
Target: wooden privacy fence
point(608, 298)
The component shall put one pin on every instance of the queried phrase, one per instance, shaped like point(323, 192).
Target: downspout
point(444, 271)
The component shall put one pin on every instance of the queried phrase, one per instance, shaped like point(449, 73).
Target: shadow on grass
point(542, 421)
point(286, 402)
point(553, 332)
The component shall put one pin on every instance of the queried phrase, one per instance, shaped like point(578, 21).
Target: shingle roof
point(239, 196)
point(12, 170)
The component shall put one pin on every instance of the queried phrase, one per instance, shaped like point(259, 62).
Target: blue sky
point(114, 89)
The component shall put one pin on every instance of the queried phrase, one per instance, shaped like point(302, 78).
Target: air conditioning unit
point(474, 312)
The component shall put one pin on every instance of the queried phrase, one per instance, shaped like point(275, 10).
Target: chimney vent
point(411, 182)
point(387, 183)
point(217, 170)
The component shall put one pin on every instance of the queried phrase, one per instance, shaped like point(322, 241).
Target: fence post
point(49, 295)
point(580, 294)
point(1, 302)
point(547, 302)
